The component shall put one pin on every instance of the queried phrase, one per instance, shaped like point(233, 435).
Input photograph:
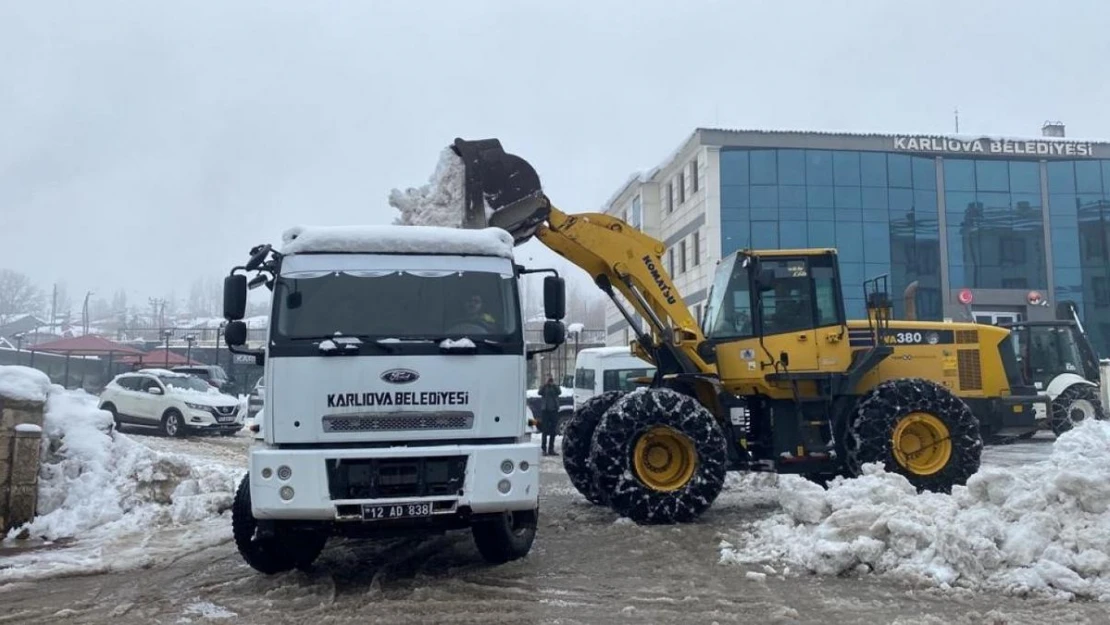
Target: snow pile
point(463, 343)
point(575, 328)
point(441, 202)
point(98, 487)
point(398, 240)
point(1038, 528)
point(23, 383)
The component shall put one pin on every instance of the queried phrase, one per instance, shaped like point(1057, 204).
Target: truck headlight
point(504, 486)
point(286, 492)
point(506, 466)
point(284, 473)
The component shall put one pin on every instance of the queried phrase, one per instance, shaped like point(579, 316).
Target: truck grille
point(971, 373)
point(365, 478)
point(399, 421)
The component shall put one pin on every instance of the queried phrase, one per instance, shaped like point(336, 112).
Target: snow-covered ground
point(106, 501)
point(1033, 527)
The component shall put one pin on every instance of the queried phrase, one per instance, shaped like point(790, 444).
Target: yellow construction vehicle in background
point(780, 380)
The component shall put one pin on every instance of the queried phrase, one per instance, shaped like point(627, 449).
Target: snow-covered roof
point(395, 239)
point(887, 135)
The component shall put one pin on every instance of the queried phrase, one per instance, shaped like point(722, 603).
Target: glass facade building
point(879, 210)
point(1009, 226)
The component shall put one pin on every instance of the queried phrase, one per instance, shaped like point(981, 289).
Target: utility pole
point(54, 308)
point(957, 113)
point(85, 314)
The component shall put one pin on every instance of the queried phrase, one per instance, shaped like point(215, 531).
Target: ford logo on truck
point(400, 376)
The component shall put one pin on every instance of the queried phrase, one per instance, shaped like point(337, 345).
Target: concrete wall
point(19, 461)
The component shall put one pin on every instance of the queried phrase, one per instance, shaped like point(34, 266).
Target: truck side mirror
point(236, 333)
point(235, 298)
point(554, 332)
point(554, 299)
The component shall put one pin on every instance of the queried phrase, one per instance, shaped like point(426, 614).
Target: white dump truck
point(395, 381)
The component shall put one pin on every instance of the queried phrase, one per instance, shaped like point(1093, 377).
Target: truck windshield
point(624, 379)
point(392, 304)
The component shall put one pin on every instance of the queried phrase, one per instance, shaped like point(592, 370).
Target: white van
point(600, 369)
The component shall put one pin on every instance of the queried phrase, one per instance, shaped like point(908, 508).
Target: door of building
point(995, 318)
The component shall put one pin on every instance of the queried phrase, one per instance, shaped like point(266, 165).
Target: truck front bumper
point(335, 484)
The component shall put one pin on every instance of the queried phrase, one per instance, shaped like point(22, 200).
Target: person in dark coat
point(549, 415)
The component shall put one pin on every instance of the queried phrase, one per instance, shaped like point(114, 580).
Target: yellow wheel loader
point(780, 380)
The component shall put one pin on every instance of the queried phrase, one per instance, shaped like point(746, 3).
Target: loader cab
point(777, 311)
point(1046, 349)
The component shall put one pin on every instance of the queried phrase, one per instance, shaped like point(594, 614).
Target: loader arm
point(621, 258)
point(504, 191)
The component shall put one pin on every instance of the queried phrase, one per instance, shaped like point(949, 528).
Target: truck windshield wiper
point(344, 343)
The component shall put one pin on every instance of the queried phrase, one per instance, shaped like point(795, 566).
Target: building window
point(697, 248)
point(1011, 250)
point(694, 175)
point(1101, 287)
point(637, 216)
point(995, 223)
point(878, 209)
point(681, 187)
point(669, 198)
point(670, 261)
point(1015, 283)
point(697, 315)
point(682, 255)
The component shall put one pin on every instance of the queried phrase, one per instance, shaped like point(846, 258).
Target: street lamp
point(166, 334)
point(189, 340)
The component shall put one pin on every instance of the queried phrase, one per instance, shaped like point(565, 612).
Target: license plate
point(396, 511)
point(226, 419)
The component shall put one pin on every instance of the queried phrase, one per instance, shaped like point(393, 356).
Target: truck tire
point(505, 537)
point(659, 457)
point(1078, 402)
point(918, 429)
point(578, 434)
point(270, 554)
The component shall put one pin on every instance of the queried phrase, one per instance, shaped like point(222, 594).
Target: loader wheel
point(1077, 403)
point(916, 428)
point(659, 457)
point(578, 434)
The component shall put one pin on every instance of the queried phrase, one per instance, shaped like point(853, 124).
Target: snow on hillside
point(1036, 528)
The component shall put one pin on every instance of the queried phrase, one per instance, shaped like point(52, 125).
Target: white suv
point(178, 403)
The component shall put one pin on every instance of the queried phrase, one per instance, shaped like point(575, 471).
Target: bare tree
point(18, 295)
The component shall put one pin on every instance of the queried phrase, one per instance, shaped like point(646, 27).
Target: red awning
point(87, 345)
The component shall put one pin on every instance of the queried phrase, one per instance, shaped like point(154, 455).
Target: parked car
point(177, 403)
point(214, 375)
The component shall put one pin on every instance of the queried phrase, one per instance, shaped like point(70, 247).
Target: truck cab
point(395, 374)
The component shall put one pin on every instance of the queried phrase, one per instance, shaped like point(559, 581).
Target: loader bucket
point(502, 190)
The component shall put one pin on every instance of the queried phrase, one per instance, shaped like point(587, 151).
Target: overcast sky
point(145, 144)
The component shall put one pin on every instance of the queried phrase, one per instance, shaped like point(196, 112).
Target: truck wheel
point(173, 424)
point(659, 457)
point(578, 434)
point(506, 537)
point(272, 554)
point(1078, 402)
point(918, 429)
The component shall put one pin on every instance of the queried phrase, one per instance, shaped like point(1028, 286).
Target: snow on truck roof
point(397, 239)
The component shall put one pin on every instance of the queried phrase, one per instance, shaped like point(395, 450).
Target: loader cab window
point(801, 294)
